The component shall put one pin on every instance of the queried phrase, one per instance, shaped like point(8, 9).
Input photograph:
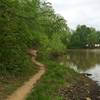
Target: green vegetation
point(84, 37)
point(56, 76)
point(26, 24)
point(15, 38)
point(34, 24)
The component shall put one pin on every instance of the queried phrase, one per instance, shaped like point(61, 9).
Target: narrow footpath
point(22, 92)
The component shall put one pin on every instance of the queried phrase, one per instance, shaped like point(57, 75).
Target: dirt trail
point(22, 92)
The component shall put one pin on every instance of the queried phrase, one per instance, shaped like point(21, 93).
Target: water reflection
point(84, 61)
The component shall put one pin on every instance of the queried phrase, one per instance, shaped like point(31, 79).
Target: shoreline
point(84, 89)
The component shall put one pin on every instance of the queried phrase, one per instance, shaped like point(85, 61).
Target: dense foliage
point(25, 24)
point(34, 23)
point(85, 37)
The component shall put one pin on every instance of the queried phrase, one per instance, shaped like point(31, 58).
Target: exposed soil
point(83, 89)
point(22, 92)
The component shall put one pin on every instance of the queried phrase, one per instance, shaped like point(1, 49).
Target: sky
point(79, 12)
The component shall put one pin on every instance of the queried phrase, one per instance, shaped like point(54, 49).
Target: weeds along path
point(22, 92)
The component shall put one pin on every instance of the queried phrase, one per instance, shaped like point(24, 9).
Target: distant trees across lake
point(85, 37)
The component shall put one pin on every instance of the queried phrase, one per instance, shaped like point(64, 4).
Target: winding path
point(22, 92)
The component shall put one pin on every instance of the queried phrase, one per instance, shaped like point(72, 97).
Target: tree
point(15, 36)
point(83, 36)
point(92, 38)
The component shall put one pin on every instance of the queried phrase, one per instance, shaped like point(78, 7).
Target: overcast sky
point(79, 11)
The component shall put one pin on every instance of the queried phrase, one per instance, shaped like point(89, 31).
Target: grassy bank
point(56, 76)
point(9, 83)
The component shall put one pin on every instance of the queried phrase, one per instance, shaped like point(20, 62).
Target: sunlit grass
point(56, 76)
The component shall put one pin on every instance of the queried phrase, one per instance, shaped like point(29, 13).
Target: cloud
point(79, 11)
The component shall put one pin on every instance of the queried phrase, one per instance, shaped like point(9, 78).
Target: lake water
point(84, 61)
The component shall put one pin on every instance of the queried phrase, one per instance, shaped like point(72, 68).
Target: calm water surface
point(84, 61)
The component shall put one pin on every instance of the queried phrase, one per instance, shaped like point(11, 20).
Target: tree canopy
point(25, 24)
point(34, 23)
point(84, 37)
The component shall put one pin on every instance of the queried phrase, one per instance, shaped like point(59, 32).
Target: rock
point(98, 97)
point(87, 74)
point(88, 98)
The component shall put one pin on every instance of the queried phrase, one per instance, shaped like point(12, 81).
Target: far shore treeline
point(34, 24)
